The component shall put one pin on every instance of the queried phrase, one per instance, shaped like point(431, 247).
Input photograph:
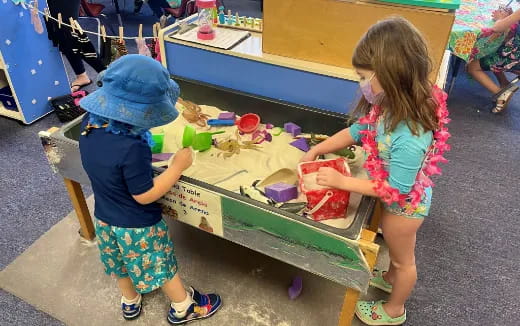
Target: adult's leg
point(80, 48)
point(63, 38)
point(89, 54)
point(67, 8)
point(76, 62)
point(400, 234)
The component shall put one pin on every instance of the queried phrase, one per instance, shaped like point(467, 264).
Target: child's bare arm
point(165, 181)
point(361, 186)
point(334, 143)
point(330, 177)
point(504, 24)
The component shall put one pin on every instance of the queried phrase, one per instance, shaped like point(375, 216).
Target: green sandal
point(373, 314)
point(379, 282)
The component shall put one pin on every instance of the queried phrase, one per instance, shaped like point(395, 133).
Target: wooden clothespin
point(60, 21)
point(121, 34)
point(78, 26)
point(140, 35)
point(46, 13)
point(72, 24)
point(154, 27)
point(229, 20)
point(103, 33)
point(35, 5)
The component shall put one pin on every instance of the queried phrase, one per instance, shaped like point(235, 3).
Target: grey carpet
point(467, 251)
point(30, 192)
point(32, 200)
point(253, 286)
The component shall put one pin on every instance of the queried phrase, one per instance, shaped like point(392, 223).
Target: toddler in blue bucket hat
point(136, 94)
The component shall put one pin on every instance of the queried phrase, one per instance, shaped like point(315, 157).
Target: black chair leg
point(455, 66)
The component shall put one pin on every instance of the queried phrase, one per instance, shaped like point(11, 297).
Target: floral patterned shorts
point(143, 254)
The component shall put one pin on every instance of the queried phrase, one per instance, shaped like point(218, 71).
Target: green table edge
point(455, 4)
point(289, 230)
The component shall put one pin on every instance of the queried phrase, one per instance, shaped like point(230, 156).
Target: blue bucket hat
point(136, 90)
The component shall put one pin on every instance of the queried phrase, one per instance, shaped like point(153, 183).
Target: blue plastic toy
point(220, 122)
point(221, 15)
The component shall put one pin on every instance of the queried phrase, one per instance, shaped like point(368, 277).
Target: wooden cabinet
point(327, 31)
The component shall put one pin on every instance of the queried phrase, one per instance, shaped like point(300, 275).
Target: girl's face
point(370, 75)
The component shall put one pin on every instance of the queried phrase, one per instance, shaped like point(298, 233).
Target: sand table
point(249, 165)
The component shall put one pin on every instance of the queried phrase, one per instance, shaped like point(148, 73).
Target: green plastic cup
point(203, 141)
point(199, 142)
point(188, 136)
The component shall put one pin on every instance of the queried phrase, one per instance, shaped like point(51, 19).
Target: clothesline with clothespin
point(74, 25)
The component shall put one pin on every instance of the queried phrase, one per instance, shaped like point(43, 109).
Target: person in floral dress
point(505, 59)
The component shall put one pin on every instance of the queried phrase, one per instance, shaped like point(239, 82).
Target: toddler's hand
point(329, 177)
point(182, 159)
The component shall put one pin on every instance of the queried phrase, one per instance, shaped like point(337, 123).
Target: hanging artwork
point(36, 19)
point(142, 48)
point(141, 43)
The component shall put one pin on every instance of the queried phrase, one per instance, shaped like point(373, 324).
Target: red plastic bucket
point(323, 203)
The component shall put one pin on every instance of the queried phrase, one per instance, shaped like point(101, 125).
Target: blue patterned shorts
point(143, 254)
point(421, 211)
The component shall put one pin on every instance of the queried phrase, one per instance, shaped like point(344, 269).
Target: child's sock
point(136, 300)
point(182, 307)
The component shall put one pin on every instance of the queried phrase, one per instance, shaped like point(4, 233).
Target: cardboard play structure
point(31, 69)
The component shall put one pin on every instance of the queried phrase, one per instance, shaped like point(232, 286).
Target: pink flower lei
point(376, 166)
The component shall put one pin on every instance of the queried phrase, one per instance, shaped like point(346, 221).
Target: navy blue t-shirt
point(119, 166)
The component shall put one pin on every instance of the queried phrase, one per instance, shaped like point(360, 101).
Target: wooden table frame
point(368, 247)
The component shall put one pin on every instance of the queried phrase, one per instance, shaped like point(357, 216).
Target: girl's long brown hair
point(397, 52)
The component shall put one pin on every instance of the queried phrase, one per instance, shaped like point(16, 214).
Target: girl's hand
point(329, 177)
point(309, 156)
point(501, 13)
point(182, 159)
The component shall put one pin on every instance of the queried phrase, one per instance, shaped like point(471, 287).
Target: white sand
point(249, 165)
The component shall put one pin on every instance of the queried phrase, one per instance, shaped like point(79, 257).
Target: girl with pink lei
point(404, 135)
